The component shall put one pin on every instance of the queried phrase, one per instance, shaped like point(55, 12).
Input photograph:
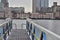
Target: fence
point(38, 32)
point(5, 28)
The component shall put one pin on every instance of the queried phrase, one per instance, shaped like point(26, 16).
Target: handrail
point(6, 28)
point(42, 28)
point(3, 23)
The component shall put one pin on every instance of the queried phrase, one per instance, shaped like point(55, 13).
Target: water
point(16, 23)
point(52, 25)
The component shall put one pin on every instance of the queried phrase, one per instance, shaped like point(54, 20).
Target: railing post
point(1, 32)
point(4, 31)
point(8, 28)
point(33, 33)
point(43, 36)
point(30, 28)
point(11, 24)
point(27, 26)
point(4, 36)
point(32, 37)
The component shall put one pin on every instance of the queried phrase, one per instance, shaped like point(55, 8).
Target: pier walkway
point(19, 34)
point(33, 31)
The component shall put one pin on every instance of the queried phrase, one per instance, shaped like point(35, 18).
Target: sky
point(27, 4)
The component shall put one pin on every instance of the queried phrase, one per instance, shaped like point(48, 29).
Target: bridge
point(33, 31)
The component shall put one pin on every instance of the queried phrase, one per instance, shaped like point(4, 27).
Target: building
point(38, 4)
point(56, 10)
point(46, 10)
point(7, 12)
point(4, 9)
point(18, 9)
point(23, 15)
point(1, 6)
point(5, 2)
point(42, 15)
point(1, 10)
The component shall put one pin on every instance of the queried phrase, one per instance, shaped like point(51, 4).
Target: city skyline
point(38, 4)
point(27, 4)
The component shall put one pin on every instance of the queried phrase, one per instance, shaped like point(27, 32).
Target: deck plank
point(19, 34)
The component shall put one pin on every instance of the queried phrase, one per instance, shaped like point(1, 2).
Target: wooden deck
point(19, 34)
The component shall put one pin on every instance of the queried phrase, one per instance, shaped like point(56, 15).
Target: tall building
point(1, 9)
point(5, 2)
point(4, 9)
point(38, 4)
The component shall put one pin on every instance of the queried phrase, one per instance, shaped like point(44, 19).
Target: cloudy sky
point(27, 4)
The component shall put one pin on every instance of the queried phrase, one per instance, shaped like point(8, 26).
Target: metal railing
point(5, 29)
point(38, 32)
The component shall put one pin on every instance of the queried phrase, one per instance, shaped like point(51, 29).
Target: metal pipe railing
point(38, 32)
point(5, 28)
